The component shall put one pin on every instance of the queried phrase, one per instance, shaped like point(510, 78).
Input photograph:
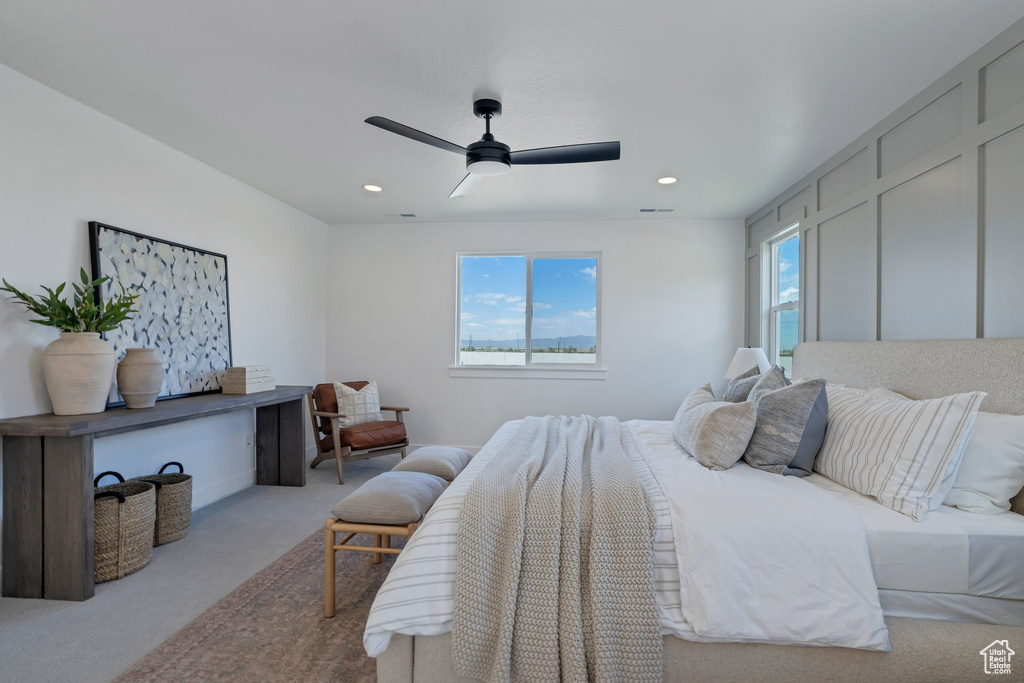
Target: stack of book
point(247, 379)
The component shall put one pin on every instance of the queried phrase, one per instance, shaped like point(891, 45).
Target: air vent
point(655, 210)
point(400, 215)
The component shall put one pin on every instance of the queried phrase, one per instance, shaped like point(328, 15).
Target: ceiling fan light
point(486, 167)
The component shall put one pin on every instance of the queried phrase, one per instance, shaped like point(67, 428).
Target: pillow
point(895, 451)
point(992, 471)
point(358, 406)
point(740, 386)
point(790, 428)
point(774, 379)
point(949, 476)
point(714, 432)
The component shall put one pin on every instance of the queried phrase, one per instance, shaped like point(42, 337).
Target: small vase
point(79, 369)
point(140, 377)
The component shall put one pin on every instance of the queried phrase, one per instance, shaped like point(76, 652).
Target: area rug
point(272, 627)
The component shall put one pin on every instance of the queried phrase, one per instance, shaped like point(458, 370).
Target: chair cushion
point(394, 498)
point(325, 399)
point(367, 435)
point(441, 461)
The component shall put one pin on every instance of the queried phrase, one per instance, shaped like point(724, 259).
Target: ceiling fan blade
point(413, 134)
point(568, 154)
point(467, 185)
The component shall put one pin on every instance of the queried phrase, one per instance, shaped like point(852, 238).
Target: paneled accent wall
point(916, 229)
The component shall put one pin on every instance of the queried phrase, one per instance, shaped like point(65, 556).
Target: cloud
point(473, 325)
point(494, 298)
point(506, 321)
point(540, 306)
point(591, 273)
point(467, 316)
point(486, 275)
point(789, 293)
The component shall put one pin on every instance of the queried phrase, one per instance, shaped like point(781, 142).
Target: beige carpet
point(272, 627)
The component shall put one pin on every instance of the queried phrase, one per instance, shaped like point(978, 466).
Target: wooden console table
point(48, 473)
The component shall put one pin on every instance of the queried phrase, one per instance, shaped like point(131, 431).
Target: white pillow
point(897, 451)
point(992, 471)
point(358, 406)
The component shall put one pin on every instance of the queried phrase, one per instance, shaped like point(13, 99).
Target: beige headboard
point(924, 369)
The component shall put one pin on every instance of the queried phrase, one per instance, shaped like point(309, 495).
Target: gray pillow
point(790, 428)
point(391, 498)
point(740, 386)
point(714, 432)
point(774, 379)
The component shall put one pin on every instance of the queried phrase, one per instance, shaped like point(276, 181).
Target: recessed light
point(378, 188)
point(664, 180)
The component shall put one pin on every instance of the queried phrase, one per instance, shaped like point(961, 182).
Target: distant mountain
point(580, 341)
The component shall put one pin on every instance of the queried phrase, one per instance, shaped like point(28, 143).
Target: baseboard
point(472, 450)
point(222, 489)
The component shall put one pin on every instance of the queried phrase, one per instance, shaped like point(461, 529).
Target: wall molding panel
point(916, 228)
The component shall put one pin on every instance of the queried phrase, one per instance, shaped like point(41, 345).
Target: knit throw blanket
point(555, 574)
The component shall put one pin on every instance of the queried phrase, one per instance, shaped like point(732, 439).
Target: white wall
point(64, 165)
point(913, 231)
point(672, 316)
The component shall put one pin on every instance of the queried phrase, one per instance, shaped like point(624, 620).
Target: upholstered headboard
point(924, 369)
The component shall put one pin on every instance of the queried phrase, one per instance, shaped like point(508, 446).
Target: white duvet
point(741, 556)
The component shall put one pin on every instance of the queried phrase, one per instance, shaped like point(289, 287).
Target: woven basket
point(125, 515)
point(173, 503)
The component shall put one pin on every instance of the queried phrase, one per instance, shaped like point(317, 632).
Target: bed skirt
point(922, 650)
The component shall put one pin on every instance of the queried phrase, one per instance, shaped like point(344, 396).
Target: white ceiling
point(738, 98)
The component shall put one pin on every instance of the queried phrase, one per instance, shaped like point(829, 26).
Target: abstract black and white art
point(183, 305)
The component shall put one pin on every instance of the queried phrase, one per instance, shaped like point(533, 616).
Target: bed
point(955, 572)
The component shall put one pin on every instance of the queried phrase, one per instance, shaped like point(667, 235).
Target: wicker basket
point(173, 503)
point(125, 514)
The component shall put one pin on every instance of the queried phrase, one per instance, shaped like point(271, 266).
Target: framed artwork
point(183, 306)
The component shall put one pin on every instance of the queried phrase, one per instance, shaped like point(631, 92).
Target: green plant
point(84, 314)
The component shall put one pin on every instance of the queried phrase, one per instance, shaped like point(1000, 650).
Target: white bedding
point(730, 549)
point(950, 551)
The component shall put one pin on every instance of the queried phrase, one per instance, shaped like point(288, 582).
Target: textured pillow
point(391, 498)
point(790, 428)
point(896, 451)
point(774, 379)
point(992, 471)
point(740, 386)
point(714, 432)
point(358, 406)
point(441, 461)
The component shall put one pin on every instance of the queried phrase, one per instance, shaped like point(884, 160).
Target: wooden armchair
point(358, 442)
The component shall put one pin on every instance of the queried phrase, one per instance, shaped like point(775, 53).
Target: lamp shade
point(745, 359)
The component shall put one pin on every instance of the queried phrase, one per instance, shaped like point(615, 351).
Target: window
point(784, 322)
point(528, 310)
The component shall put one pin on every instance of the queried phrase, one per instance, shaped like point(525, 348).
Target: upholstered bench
point(390, 504)
point(441, 461)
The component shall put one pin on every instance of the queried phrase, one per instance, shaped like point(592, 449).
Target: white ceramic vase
point(140, 377)
point(79, 369)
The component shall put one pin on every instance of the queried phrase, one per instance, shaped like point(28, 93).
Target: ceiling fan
point(488, 157)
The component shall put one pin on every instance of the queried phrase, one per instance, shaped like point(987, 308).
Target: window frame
point(774, 307)
point(554, 370)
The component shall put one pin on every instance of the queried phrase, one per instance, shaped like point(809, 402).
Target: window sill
point(493, 371)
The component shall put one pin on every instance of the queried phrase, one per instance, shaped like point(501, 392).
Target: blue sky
point(789, 270)
point(494, 297)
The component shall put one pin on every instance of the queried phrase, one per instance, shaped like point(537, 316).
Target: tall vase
point(79, 369)
point(140, 377)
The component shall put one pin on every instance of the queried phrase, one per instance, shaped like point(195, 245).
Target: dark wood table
point(48, 473)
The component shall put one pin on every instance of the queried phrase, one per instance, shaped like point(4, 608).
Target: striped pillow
point(896, 451)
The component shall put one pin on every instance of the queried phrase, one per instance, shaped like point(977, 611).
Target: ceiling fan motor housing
point(488, 157)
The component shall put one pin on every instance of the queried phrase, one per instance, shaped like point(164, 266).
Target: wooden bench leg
point(329, 575)
point(376, 544)
point(386, 540)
